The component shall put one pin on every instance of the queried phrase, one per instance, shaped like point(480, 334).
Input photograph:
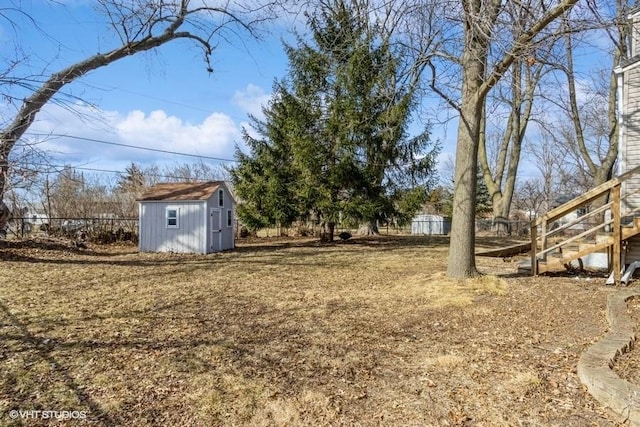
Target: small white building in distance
point(186, 217)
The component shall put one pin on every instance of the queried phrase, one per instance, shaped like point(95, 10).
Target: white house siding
point(630, 147)
point(189, 237)
point(635, 33)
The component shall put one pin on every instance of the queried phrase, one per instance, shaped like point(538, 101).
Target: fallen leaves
point(294, 333)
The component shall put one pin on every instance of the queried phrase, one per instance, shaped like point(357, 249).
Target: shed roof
point(181, 191)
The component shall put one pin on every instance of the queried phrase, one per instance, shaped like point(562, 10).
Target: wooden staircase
point(557, 241)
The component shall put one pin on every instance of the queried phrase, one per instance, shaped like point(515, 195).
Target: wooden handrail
point(611, 187)
point(587, 197)
point(579, 219)
point(574, 238)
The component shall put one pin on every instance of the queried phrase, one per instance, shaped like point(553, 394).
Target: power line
point(104, 88)
point(82, 168)
point(137, 147)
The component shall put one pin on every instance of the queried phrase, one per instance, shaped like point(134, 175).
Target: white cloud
point(214, 136)
point(252, 99)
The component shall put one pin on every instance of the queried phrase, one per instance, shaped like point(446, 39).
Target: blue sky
point(163, 99)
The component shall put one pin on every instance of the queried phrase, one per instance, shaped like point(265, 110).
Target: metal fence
point(107, 230)
point(104, 230)
point(511, 228)
point(435, 227)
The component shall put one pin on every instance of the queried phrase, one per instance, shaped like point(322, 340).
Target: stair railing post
point(617, 231)
point(534, 248)
point(543, 238)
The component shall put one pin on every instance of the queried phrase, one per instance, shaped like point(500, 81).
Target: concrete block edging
point(595, 367)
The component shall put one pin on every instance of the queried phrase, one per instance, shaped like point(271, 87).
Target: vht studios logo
point(47, 415)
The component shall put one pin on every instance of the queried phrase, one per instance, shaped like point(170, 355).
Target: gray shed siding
point(194, 233)
point(189, 237)
point(227, 234)
point(430, 225)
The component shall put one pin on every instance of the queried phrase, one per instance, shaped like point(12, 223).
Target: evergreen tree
point(334, 143)
point(483, 198)
point(130, 186)
point(265, 180)
point(132, 181)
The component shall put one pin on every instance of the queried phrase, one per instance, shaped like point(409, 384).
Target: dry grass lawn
point(368, 332)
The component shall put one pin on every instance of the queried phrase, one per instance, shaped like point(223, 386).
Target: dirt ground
point(367, 332)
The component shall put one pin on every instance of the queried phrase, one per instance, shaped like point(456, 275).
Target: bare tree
point(140, 25)
point(529, 197)
point(74, 194)
point(500, 175)
point(480, 21)
point(589, 102)
point(509, 112)
point(198, 171)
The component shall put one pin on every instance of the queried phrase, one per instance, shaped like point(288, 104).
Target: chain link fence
point(98, 230)
point(437, 227)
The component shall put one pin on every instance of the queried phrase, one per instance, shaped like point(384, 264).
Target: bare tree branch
point(141, 26)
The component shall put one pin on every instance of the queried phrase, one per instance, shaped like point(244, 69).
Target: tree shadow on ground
point(46, 251)
point(44, 350)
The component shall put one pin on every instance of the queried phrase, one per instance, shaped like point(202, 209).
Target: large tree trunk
point(331, 228)
point(462, 262)
point(479, 20)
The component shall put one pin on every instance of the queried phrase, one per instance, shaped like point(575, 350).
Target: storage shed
point(430, 224)
point(188, 217)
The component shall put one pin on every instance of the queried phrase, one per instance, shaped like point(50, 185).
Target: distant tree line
point(71, 193)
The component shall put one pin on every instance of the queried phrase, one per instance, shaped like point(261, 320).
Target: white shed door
point(216, 228)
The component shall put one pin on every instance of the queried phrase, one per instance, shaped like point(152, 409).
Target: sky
point(164, 99)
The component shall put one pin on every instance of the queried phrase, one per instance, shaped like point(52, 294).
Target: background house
point(186, 218)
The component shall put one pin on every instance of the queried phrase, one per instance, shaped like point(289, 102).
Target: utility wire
point(137, 147)
point(48, 165)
